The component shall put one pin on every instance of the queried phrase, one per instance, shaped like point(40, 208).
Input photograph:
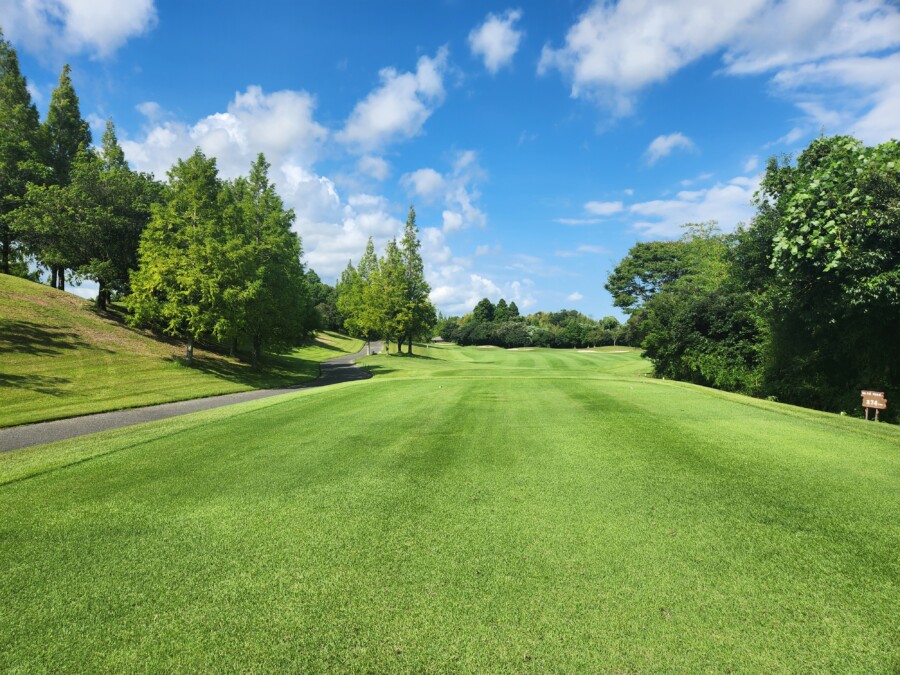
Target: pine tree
point(174, 286)
point(276, 308)
point(19, 147)
point(65, 133)
point(115, 205)
point(417, 317)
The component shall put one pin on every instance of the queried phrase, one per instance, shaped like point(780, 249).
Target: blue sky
point(537, 140)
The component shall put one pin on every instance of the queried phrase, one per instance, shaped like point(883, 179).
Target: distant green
point(473, 510)
point(60, 358)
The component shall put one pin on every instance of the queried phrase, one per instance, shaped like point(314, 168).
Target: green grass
point(60, 358)
point(465, 510)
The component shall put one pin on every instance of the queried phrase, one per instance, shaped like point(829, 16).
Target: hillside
point(471, 510)
point(60, 358)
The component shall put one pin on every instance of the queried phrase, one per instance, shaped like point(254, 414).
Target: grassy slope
point(59, 358)
point(474, 510)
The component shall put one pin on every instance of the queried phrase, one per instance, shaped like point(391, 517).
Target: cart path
point(333, 371)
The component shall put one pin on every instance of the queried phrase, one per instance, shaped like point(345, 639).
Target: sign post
point(873, 399)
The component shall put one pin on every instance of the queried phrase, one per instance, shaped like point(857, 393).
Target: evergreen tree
point(417, 317)
point(64, 133)
point(19, 148)
point(274, 296)
point(114, 205)
point(174, 287)
point(513, 311)
point(386, 297)
point(501, 311)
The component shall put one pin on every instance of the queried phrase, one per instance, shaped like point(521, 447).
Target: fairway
point(466, 510)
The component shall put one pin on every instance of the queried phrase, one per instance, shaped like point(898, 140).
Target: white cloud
point(751, 164)
point(425, 183)
point(663, 146)
point(486, 249)
point(496, 41)
point(373, 166)
point(99, 27)
point(603, 208)
point(589, 248)
point(859, 95)
point(574, 297)
point(728, 203)
point(399, 107)
point(458, 291)
point(614, 50)
point(279, 124)
point(456, 190)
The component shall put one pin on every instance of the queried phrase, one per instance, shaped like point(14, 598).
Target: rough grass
point(60, 358)
point(466, 510)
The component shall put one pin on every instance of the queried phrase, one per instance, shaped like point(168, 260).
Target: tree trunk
point(409, 346)
point(102, 294)
point(368, 348)
point(6, 246)
point(257, 351)
point(190, 349)
point(52, 277)
point(61, 279)
point(232, 347)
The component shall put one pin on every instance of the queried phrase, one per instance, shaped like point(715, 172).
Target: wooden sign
point(873, 399)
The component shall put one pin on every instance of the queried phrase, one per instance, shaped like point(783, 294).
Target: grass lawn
point(465, 510)
point(60, 358)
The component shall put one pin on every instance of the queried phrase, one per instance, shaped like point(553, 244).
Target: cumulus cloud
point(728, 203)
point(279, 124)
point(614, 50)
point(497, 40)
point(663, 146)
point(456, 190)
point(399, 107)
point(373, 166)
point(99, 27)
point(574, 297)
point(425, 183)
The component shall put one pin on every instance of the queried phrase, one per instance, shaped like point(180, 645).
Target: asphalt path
point(333, 371)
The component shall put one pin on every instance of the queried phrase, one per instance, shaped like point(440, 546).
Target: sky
point(538, 141)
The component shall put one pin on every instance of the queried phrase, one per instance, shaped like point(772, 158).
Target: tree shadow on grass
point(26, 337)
point(39, 383)
point(275, 371)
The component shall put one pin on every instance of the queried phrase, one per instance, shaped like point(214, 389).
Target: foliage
point(803, 305)
point(387, 297)
point(20, 150)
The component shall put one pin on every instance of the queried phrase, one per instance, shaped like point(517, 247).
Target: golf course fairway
point(465, 510)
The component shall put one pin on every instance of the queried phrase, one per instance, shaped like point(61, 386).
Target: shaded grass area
point(457, 513)
point(60, 358)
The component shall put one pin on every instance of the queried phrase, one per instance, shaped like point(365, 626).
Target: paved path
point(340, 369)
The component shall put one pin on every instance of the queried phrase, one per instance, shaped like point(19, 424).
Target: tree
point(65, 133)
point(418, 316)
point(175, 285)
point(114, 205)
point(484, 311)
point(386, 297)
point(513, 310)
point(19, 147)
point(273, 297)
point(833, 303)
point(501, 311)
point(648, 267)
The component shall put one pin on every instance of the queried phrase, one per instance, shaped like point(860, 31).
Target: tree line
point(502, 325)
point(386, 297)
point(198, 258)
point(802, 305)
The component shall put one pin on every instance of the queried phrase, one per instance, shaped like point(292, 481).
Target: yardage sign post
point(873, 399)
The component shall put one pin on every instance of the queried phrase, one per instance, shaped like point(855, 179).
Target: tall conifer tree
point(19, 146)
